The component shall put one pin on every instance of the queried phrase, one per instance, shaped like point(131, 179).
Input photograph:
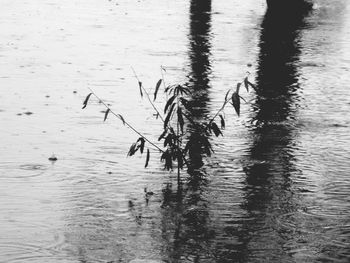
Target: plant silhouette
point(175, 148)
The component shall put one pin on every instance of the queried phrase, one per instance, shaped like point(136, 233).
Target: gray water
point(276, 189)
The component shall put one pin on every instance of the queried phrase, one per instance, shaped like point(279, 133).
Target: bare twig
point(147, 95)
point(125, 122)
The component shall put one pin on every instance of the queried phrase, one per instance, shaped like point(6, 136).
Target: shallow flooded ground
point(276, 189)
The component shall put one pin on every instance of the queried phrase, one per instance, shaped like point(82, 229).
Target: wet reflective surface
point(277, 187)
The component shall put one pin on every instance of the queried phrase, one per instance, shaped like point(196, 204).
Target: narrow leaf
point(140, 86)
point(132, 150)
point(222, 121)
point(216, 129)
point(238, 86)
point(186, 104)
point(106, 114)
point(180, 119)
point(147, 158)
point(243, 99)
point(252, 85)
point(121, 118)
point(169, 102)
point(246, 83)
point(169, 89)
point(86, 100)
point(142, 144)
point(167, 119)
point(157, 88)
point(236, 102)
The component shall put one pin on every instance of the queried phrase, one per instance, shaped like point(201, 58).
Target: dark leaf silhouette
point(206, 145)
point(246, 85)
point(163, 134)
point(166, 156)
point(168, 162)
point(147, 158)
point(168, 140)
point(86, 100)
point(236, 102)
point(215, 129)
point(186, 104)
point(180, 119)
point(167, 119)
point(169, 89)
point(252, 85)
point(142, 143)
point(243, 99)
point(140, 86)
point(181, 90)
point(169, 102)
point(132, 149)
point(121, 117)
point(222, 121)
point(157, 88)
point(106, 114)
point(238, 87)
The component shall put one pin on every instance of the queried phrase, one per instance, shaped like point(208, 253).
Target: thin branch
point(148, 97)
point(227, 100)
point(125, 122)
point(220, 110)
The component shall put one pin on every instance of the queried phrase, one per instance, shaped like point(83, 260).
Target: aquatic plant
point(180, 142)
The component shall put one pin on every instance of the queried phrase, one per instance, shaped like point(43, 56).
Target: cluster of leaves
point(176, 148)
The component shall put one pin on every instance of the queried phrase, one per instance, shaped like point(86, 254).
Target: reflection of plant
point(177, 147)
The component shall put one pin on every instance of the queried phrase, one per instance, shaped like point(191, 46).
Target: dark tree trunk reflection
point(289, 6)
point(188, 233)
point(271, 160)
point(185, 213)
point(200, 69)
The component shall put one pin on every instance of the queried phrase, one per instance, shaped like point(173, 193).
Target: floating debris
point(53, 158)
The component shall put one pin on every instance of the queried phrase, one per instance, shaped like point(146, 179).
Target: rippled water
point(276, 189)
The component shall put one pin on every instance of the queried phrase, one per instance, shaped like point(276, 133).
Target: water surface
point(277, 187)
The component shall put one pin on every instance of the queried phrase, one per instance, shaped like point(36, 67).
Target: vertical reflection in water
point(199, 52)
point(268, 192)
point(200, 68)
point(185, 229)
